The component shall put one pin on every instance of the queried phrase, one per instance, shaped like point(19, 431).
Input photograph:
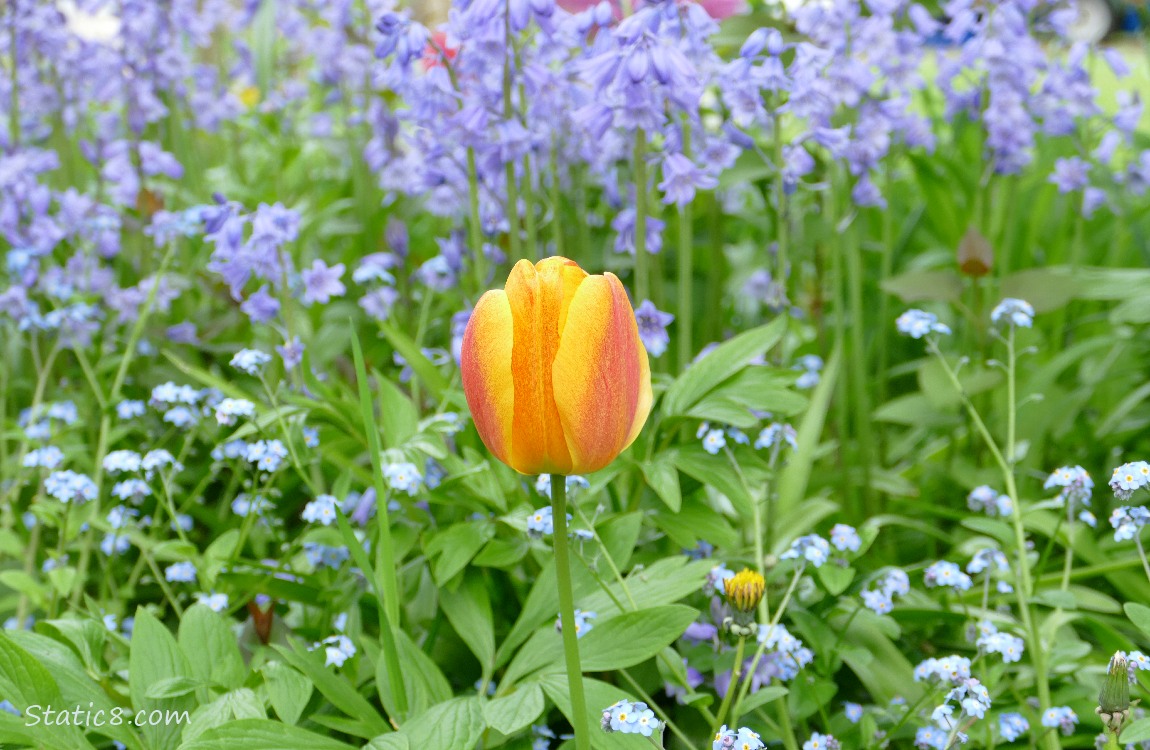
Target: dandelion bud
point(975, 255)
point(1114, 698)
point(745, 590)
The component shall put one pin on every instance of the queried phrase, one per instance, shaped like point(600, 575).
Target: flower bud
point(745, 590)
point(975, 255)
point(1114, 698)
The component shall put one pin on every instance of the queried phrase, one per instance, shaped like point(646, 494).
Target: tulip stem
point(567, 613)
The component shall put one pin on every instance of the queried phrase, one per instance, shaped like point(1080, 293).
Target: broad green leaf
point(599, 695)
point(173, 687)
point(77, 687)
point(620, 535)
point(232, 706)
point(454, 547)
point(262, 734)
point(85, 636)
point(1135, 732)
point(26, 683)
point(633, 637)
point(337, 689)
point(762, 697)
point(835, 578)
point(726, 360)
point(392, 741)
point(1139, 614)
point(925, 286)
point(155, 656)
point(211, 649)
point(288, 690)
point(457, 723)
point(717, 473)
point(468, 609)
point(511, 713)
point(663, 478)
point(421, 678)
point(663, 582)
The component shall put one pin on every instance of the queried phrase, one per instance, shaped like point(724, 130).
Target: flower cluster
point(983, 499)
point(737, 739)
point(1129, 478)
point(880, 600)
point(811, 548)
point(947, 575)
point(630, 718)
point(582, 623)
point(917, 324)
point(1060, 717)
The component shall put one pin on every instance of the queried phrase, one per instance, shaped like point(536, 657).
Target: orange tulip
point(554, 372)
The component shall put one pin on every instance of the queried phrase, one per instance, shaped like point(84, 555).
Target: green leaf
point(262, 734)
point(173, 687)
point(397, 415)
point(211, 649)
point(76, 685)
point(762, 697)
point(663, 478)
point(235, 705)
point(663, 582)
point(599, 695)
point(456, 723)
point(393, 741)
point(921, 286)
point(26, 683)
point(422, 681)
point(631, 638)
point(993, 528)
point(454, 547)
point(431, 378)
point(717, 473)
point(335, 688)
point(797, 473)
point(835, 579)
point(85, 636)
point(1135, 732)
point(725, 361)
point(288, 690)
point(155, 656)
point(620, 535)
point(1056, 598)
point(1139, 614)
point(468, 609)
point(513, 712)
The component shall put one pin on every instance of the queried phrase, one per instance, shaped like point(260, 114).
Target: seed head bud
point(1114, 698)
point(975, 255)
point(745, 590)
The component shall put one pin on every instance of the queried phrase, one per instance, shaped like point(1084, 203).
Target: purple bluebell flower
point(321, 282)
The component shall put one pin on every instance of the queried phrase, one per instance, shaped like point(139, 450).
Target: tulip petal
point(600, 374)
point(485, 361)
point(539, 297)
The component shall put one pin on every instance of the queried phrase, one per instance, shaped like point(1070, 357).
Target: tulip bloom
point(554, 372)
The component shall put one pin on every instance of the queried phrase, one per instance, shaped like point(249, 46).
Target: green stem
point(663, 715)
point(686, 284)
point(642, 288)
point(474, 223)
point(762, 647)
point(1006, 465)
point(859, 378)
point(733, 685)
point(567, 613)
point(556, 225)
point(1142, 556)
point(388, 577)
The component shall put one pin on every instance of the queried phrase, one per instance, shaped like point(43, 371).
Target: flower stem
point(1006, 465)
point(642, 288)
point(1142, 556)
point(686, 272)
point(733, 685)
point(567, 613)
